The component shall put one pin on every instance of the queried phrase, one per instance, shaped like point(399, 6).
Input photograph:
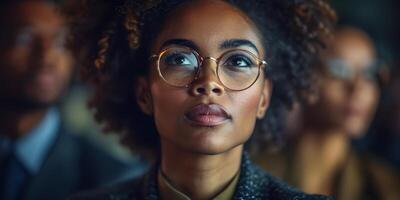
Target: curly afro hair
point(111, 40)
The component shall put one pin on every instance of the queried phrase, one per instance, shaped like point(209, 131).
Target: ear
point(143, 96)
point(265, 99)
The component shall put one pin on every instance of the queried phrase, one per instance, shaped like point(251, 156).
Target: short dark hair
point(5, 6)
point(111, 40)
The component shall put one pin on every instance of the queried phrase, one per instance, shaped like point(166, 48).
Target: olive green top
point(168, 191)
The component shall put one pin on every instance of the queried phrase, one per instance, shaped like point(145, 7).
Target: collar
point(31, 149)
point(250, 181)
point(253, 184)
point(168, 191)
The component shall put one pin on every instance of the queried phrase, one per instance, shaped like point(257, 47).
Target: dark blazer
point(253, 184)
point(74, 164)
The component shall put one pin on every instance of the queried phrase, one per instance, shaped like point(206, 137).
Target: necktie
point(13, 176)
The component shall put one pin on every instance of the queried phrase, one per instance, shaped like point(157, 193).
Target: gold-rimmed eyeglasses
point(236, 70)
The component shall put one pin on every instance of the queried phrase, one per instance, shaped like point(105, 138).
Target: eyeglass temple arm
point(263, 63)
point(153, 57)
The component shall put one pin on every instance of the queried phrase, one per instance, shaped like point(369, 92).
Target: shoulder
point(95, 163)
point(382, 176)
point(255, 183)
point(85, 150)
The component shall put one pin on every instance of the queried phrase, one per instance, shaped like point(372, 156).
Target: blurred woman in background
point(319, 157)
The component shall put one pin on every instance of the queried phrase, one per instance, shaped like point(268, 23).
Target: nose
point(207, 82)
point(42, 51)
point(354, 83)
point(41, 43)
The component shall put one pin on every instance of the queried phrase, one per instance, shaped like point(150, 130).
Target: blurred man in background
point(39, 158)
point(319, 157)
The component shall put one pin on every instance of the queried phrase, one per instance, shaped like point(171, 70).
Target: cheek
point(245, 107)
point(17, 60)
point(14, 69)
point(365, 99)
point(167, 106)
point(332, 94)
point(246, 104)
point(19, 52)
point(368, 97)
point(62, 63)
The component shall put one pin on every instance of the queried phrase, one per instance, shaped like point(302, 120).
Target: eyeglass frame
point(201, 59)
point(377, 66)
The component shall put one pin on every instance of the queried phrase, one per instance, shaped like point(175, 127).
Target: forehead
point(355, 48)
point(207, 23)
point(34, 14)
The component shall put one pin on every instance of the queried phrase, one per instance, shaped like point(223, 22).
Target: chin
point(212, 148)
point(45, 97)
point(356, 131)
point(357, 126)
point(41, 102)
point(209, 151)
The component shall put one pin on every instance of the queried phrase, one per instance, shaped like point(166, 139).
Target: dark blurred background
point(377, 17)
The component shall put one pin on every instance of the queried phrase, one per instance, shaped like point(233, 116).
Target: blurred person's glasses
point(27, 37)
point(339, 69)
point(236, 70)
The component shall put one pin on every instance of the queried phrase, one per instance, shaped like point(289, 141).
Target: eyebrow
point(180, 42)
point(227, 44)
point(234, 43)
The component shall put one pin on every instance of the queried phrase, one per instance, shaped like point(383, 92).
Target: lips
point(45, 81)
point(354, 111)
point(207, 115)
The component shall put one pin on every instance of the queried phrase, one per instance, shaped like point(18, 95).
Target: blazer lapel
point(59, 175)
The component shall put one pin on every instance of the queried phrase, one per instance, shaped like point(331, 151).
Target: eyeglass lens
point(340, 70)
point(237, 69)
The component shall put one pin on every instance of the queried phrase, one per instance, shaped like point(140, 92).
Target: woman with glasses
point(187, 82)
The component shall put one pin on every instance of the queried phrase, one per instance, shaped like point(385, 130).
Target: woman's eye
point(239, 61)
point(178, 59)
point(24, 39)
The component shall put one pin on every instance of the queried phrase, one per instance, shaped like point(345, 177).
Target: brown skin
point(35, 68)
point(351, 104)
point(201, 161)
point(343, 111)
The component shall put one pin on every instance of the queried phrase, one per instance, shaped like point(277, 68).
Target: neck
point(17, 123)
point(197, 175)
point(320, 154)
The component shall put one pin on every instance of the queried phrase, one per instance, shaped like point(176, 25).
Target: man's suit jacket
point(74, 164)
